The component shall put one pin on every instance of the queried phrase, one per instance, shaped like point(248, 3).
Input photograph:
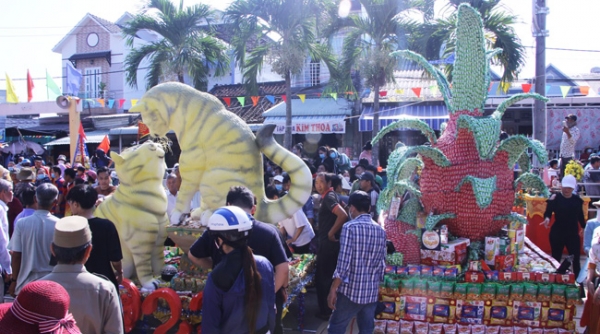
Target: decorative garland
point(438, 157)
point(407, 123)
point(514, 99)
point(529, 180)
point(486, 132)
point(482, 188)
point(515, 145)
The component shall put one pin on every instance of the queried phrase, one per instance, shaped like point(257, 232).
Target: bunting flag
point(318, 94)
point(90, 102)
point(255, 100)
point(111, 103)
point(227, 101)
point(30, 87)
point(104, 144)
point(434, 89)
point(585, 90)
point(490, 87)
point(526, 87)
point(548, 89)
point(11, 95)
point(81, 132)
point(143, 130)
point(504, 86)
point(334, 96)
point(565, 91)
point(52, 89)
point(417, 91)
point(302, 97)
point(133, 102)
point(383, 93)
point(271, 98)
point(284, 98)
point(101, 101)
point(241, 100)
point(121, 102)
point(367, 91)
point(349, 93)
point(80, 150)
point(399, 91)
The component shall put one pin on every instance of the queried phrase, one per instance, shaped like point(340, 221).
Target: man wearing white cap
point(568, 211)
point(94, 300)
point(61, 164)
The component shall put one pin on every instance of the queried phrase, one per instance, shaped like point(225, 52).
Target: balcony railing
point(101, 94)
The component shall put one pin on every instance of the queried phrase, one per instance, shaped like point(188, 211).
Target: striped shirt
point(361, 262)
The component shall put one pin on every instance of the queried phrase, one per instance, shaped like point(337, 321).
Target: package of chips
point(491, 275)
point(391, 311)
point(499, 313)
point(530, 292)
point(435, 328)
point(460, 291)
point(557, 315)
point(447, 289)
point(406, 327)
point(477, 329)
point(520, 330)
point(492, 330)
point(421, 327)
point(449, 328)
point(488, 291)
point(393, 327)
point(380, 327)
point(470, 311)
point(441, 310)
point(544, 292)
point(474, 291)
point(503, 292)
point(434, 288)
point(415, 308)
point(533, 330)
point(527, 313)
point(558, 293)
point(507, 330)
point(420, 288)
point(438, 271)
point(516, 291)
point(407, 287)
point(550, 330)
point(463, 329)
point(572, 295)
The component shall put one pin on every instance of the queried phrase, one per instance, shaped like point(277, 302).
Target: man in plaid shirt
point(360, 268)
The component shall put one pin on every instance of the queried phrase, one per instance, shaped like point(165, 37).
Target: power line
point(564, 49)
point(85, 75)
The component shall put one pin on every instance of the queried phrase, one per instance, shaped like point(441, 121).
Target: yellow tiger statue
point(218, 150)
point(138, 208)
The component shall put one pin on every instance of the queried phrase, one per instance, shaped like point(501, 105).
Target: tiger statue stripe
point(138, 208)
point(218, 151)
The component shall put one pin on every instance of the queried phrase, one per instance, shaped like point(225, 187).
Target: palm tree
point(187, 45)
point(438, 35)
point(369, 40)
point(279, 32)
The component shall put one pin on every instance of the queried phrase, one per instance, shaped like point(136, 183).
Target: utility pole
point(540, 10)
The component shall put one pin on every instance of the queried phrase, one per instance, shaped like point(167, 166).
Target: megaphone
point(62, 102)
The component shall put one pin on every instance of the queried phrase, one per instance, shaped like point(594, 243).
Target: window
point(92, 81)
point(315, 73)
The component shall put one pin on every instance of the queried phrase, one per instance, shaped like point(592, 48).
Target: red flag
point(417, 91)
point(383, 93)
point(526, 87)
point(81, 132)
point(121, 101)
point(143, 130)
point(104, 144)
point(30, 87)
point(254, 100)
point(284, 98)
point(228, 101)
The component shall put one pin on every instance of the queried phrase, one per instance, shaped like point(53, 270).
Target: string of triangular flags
point(272, 98)
point(564, 90)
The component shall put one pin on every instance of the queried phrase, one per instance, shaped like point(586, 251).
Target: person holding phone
point(569, 139)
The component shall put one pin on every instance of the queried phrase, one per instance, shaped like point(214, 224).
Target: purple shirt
point(25, 213)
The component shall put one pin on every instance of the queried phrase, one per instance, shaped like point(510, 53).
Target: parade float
point(163, 289)
point(466, 265)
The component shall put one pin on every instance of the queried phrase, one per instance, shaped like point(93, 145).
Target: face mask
point(279, 187)
point(41, 176)
point(359, 175)
point(11, 169)
point(60, 162)
point(347, 178)
point(332, 155)
point(321, 155)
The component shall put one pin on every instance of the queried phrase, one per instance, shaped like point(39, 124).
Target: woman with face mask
point(341, 160)
point(322, 155)
point(42, 177)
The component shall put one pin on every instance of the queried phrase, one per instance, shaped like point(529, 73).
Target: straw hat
point(40, 307)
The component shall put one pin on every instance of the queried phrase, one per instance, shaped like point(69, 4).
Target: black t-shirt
point(567, 212)
point(264, 240)
point(326, 216)
point(106, 248)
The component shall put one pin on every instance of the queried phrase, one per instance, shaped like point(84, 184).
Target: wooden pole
point(74, 123)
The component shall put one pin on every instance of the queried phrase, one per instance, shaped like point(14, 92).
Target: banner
point(587, 121)
point(311, 126)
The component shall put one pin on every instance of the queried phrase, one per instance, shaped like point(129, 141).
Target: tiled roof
point(21, 123)
point(249, 113)
point(110, 26)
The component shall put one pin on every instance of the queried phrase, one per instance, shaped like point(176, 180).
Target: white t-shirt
point(298, 220)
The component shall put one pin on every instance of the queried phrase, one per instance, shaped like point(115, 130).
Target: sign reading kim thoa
point(311, 126)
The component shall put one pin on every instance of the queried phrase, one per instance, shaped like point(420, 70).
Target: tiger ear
point(116, 158)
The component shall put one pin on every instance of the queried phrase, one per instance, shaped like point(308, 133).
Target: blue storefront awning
point(433, 115)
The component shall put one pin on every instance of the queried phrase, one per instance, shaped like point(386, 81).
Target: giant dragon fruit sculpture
point(466, 181)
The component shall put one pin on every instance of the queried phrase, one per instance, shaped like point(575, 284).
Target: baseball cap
point(571, 117)
point(278, 178)
point(367, 177)
point(569, 182)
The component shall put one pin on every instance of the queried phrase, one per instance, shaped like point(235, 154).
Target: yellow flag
point(11, 95)
point(133, 102)
point(101, 101)
point(302, 97)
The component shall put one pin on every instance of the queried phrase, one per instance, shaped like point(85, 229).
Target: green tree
point(369, 40)
point(187, 44)
point(281, 33)
point(439, 35)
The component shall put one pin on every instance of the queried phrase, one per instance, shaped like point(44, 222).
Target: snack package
point(470, 311)
point(449, 328)
point(391, 311)
point(474, 277)
point(380, 327)
point(507, 330)
point(393, 327)
point(572, 295)
point(525, 276)
point(389, 269)
point(536, 330)
point(463, 329)
point(527, 313)
point(545, 277)
point(421, 327)
point(491, 275)
point(550, 330)
point(557, 315)
point(516, 291)
point(504, 262)
point(451, 273)
point(447, 289)
point(441, 310)
point(420, 288)
point(477, 329)
point(407, 287)
point(503, 292)
point(435, 328)
point(498, 314)
point(531, 292)
point(544, 292)
point(438, 271)
point(520, 330)
point(492, 248)
point(565, 278)
point(507, 276)
point(426, 271)
point(474, 291)
point(434, 288)
point(488, 291)
point(414, 270)
point(406, 327)
point(402, 271)
point(492, 330)
point(558, 293)
point(460, 291)
point(415, 308)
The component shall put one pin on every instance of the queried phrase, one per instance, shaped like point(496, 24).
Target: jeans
point(326, 263)
point(345, 310)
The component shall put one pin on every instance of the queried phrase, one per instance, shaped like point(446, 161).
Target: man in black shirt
point(264, 240)
point(105, 258)
point(331, 218)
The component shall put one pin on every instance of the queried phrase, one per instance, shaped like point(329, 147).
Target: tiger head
point(140, 163)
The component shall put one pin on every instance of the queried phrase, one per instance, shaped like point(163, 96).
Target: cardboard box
point(415, 308)
point(474, 277)
point(565, 278)
point(527, 313)
point(470, 311)
point(507, 276)
point(524, 276)
point(492, 249)
point(505, 262)
point(545, 277)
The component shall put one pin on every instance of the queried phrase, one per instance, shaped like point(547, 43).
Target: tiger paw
point(177, 218)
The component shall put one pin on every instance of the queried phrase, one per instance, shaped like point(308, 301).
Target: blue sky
point(29, 29)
